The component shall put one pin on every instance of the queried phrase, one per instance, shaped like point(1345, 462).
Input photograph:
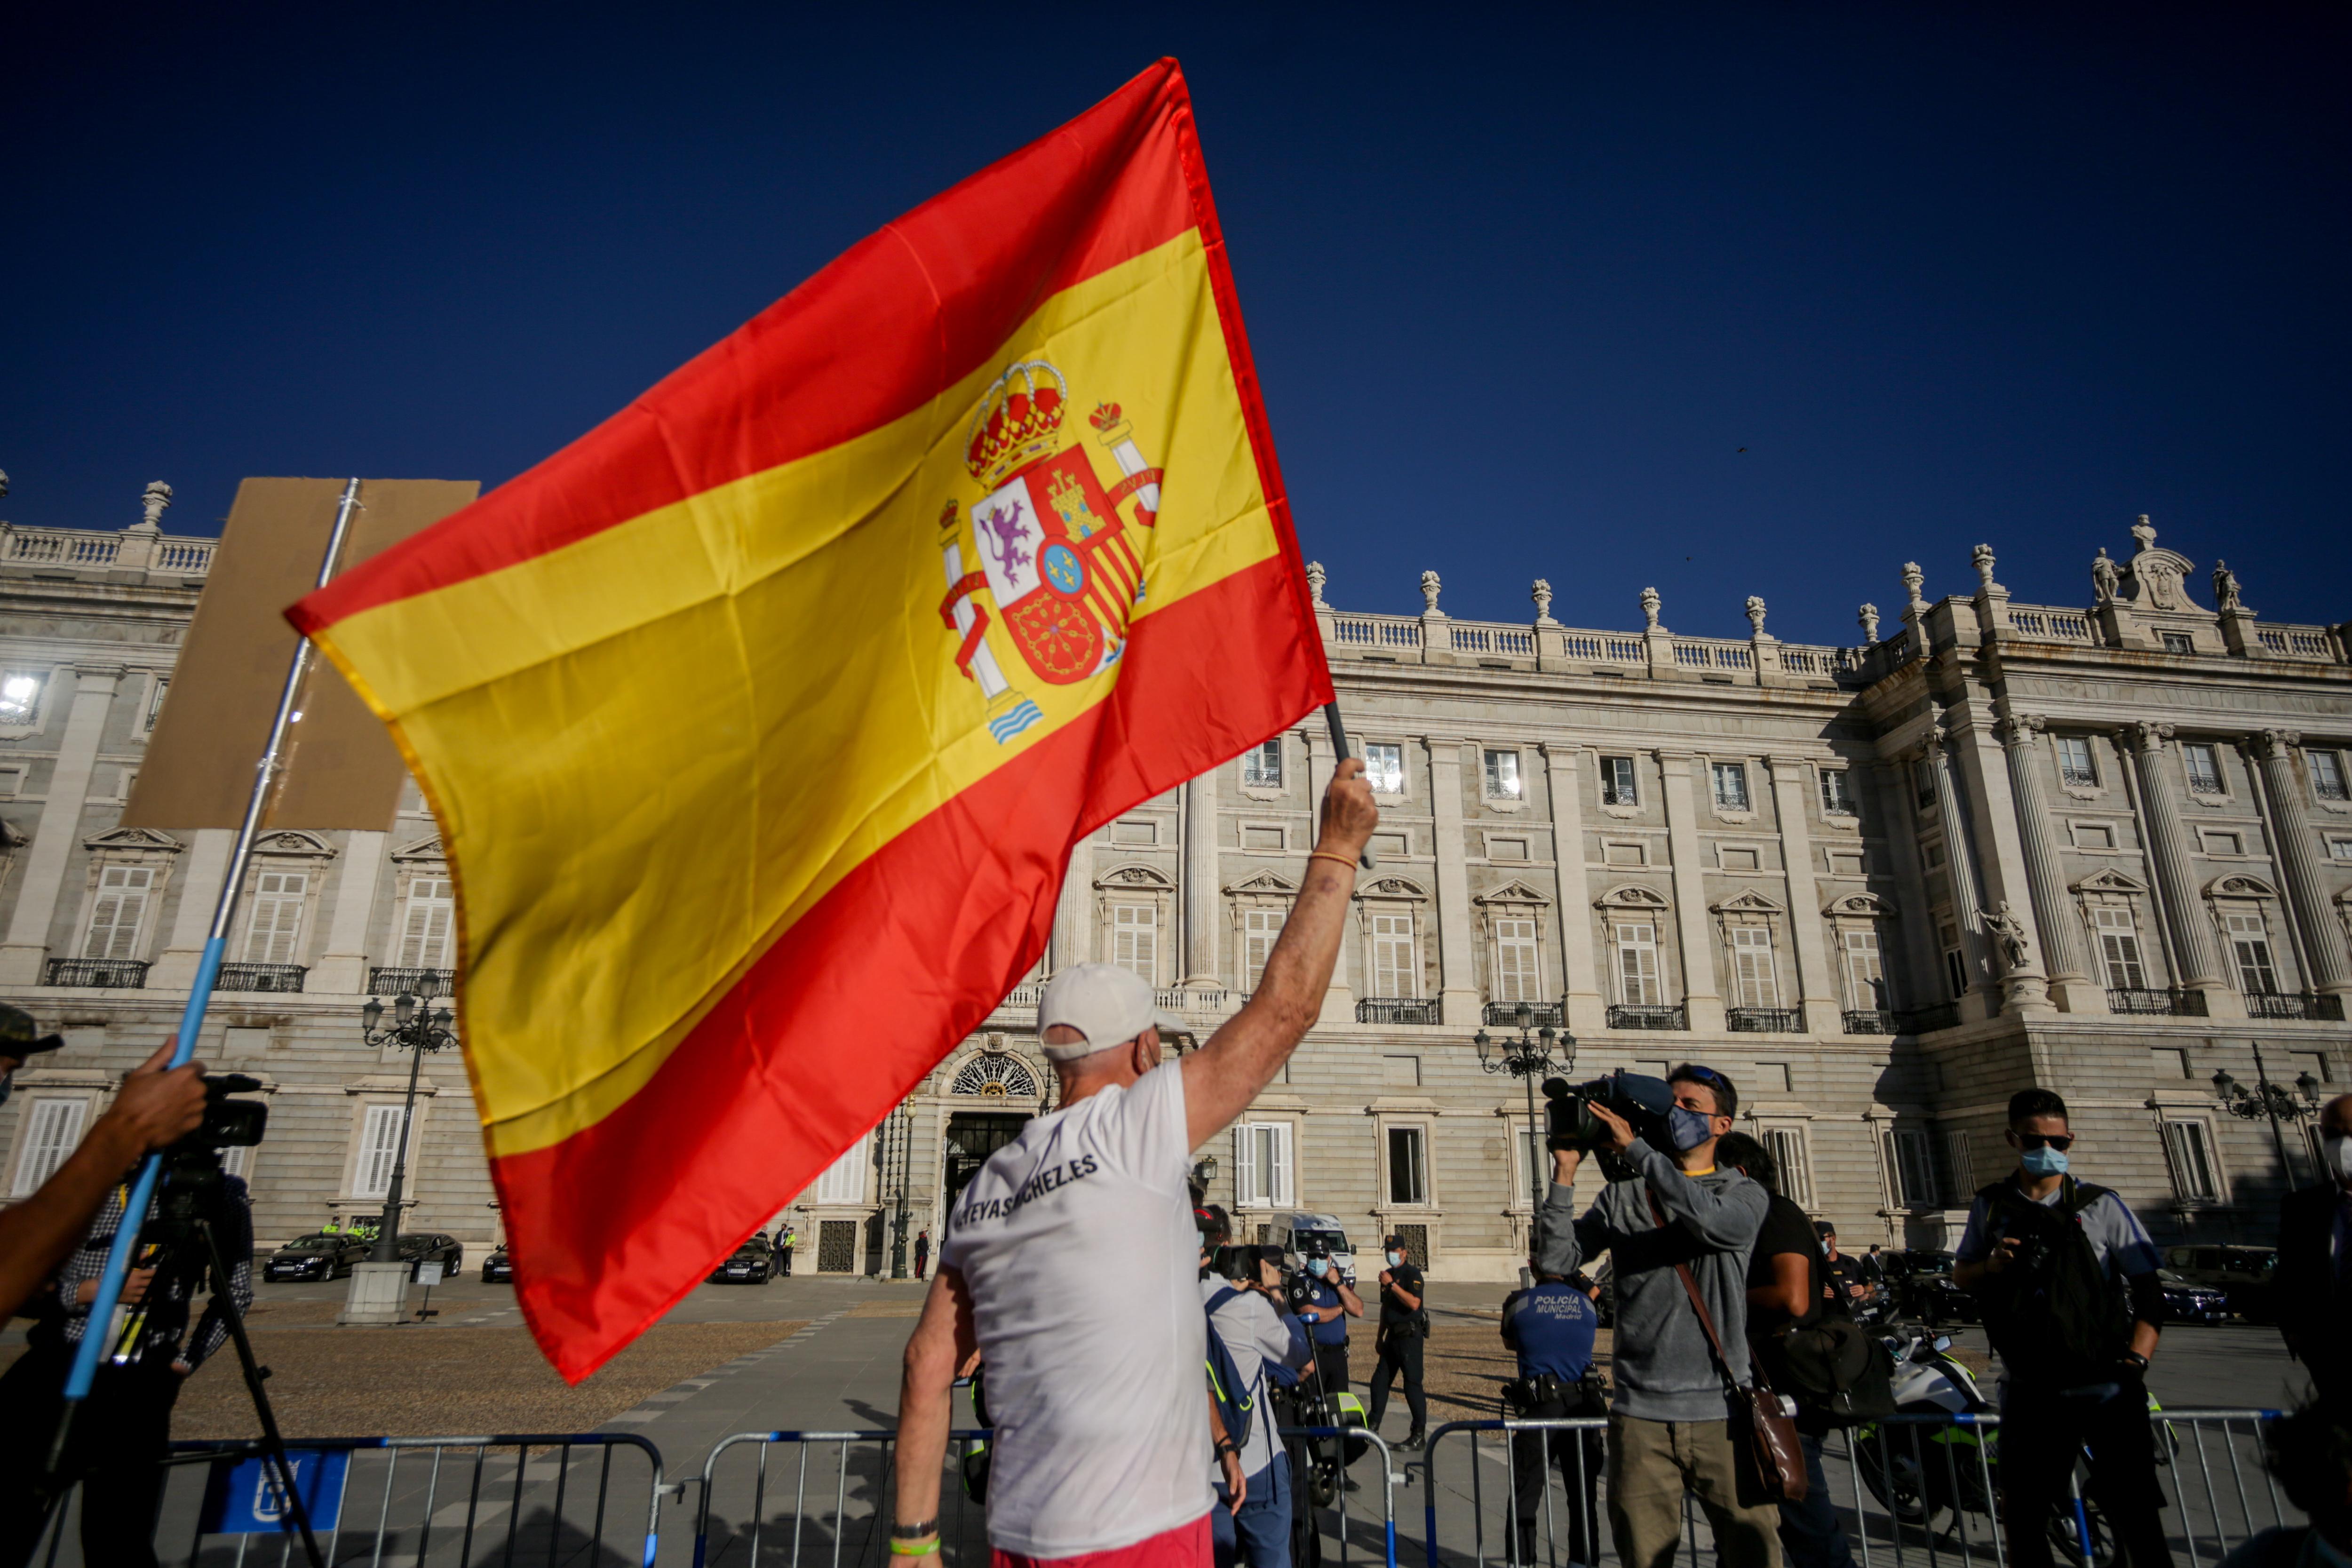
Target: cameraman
point(154, 1107)
point(1244, 1295)
point(1404, 1322)
point(2073, 1304)
point(1670, 1429)
point(1549, 1327)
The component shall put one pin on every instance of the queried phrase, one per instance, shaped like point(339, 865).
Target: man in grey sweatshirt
point(1669, 1425)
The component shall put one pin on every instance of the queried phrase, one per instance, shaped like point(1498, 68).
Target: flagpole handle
point(1365, 859)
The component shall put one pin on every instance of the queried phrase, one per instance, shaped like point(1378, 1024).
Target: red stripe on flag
point(825, 1032)
point(891, 323)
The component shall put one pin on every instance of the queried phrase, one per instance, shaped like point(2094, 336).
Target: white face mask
point(2339, 1155)
point(1396, 1259)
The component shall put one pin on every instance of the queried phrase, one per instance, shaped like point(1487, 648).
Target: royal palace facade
point(2104, 848)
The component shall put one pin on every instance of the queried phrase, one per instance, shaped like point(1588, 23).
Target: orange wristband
point(1332, 855)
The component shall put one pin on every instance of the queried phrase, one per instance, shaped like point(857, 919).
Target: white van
point(1295, 1233)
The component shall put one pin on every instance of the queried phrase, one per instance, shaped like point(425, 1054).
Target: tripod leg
point(272, 1444)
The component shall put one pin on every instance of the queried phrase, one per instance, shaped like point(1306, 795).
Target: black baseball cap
point(21, 1037)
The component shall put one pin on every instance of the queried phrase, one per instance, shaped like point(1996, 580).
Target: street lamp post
point(1527, 1059)
point(902, 1121)
point(2270, 1100)
point(415, 1030)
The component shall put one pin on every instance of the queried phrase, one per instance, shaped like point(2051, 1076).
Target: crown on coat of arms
point(1017, 419)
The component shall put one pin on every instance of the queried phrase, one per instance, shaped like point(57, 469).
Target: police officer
point(1329, 1302)
point(1404, 1321)
point(1549, 1327)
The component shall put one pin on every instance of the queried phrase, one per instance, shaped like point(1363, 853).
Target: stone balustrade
point(91, 549)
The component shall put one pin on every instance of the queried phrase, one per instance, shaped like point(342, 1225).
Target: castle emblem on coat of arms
point(1057, 551)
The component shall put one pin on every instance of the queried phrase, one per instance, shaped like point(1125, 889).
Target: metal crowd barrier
point(414, 1501)
point(1909, 1489)
point(781, 1512)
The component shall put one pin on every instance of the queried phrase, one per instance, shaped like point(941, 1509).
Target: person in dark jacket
point(1549, 1327)
point(2313, 1284)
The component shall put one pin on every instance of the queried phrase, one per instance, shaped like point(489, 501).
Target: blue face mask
point(1319, 1266)
point(2042, 1162)
point(1688, 1128)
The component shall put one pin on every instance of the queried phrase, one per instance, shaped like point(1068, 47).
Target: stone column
point(1339, 999)
point(1815, 980)
point(25, 954)
point(342, 969)
point(2071, 983)
point(2194, 948)
point(1968, 902)
point(199, 878)
point(1701, 998)
point(1067, 943)
point(1198, 892)
point(1923, 962)
point(1457, 975)
point(2003, 886)
point(2306, 887)
point(1588, 1009)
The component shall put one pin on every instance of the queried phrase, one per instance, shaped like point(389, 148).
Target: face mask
point(1688, 1128)
point(2340, 1154)
point(1396, 1259)
point(2044, 1162)
point(1319, 1266)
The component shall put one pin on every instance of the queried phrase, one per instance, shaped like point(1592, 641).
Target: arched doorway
point(999, 1079)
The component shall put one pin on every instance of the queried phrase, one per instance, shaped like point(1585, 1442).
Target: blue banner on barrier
point(244, 1497)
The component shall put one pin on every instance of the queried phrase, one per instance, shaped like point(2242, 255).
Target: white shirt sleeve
point(1145, 1134)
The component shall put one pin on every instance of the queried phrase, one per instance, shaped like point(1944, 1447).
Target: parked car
point(497, 1267)
point(428, 1248)
point(753, 1263)
point(2189, 1304)
point(317, 1256)
point(2242, 1274)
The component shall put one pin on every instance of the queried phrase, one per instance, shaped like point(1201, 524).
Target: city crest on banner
point(1061, 553)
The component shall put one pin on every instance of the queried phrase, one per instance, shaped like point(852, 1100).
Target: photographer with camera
point(1242, 1291)
point(2067, 1278)
point(121, 1434)
point(1549, 1327)
point(1680, 1230)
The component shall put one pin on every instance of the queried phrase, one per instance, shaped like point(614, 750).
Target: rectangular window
point(844, 1181)
point(379, 1149)
point(118, 911)
point(51, 1128)
point(1837, 796)
point(1384, 766)
point(1959, 1169)
point(1910, 1169)
point(2119, 948)
point(1730, 785)
point(1865, 970)
point(2250, 943)
point(1637, 964)
point(276, 922)
point(1262, 766)
point(1262, 1164)
point(2191, 1155)
point(1787, 1147)
point(2204, 765)
point(12, 782)
point(1395, 973)
point(1135, 939)
point(2340, 848)
point(1408, 1173)
point(425, 930)
point(2326, 775)
point(20, 696)
point(1259, 929)
point(1753, 981)
point(2075, 764)
point(1515, 979)
point(1502, 776)
point(155, 702)
point(2178, 642)
point(1617, 786)
point(1956, 960)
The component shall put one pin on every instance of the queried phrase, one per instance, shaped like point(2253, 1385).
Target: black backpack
point(2052, 1313)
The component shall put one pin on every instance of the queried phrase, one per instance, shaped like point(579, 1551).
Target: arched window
point(995, 1075)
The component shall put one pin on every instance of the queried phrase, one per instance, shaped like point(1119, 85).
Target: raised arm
point(1223, 1077)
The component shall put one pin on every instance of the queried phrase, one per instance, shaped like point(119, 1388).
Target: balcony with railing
point(1399, 1010)
point(91, 549)
point(386, 981)
point(1539, 1014)
point(2156, 1003)
point(2286, 1005)
point(1873, 1021)
point(1639, 1016)
point(97, 974)
point(1411, 639)
point(280, 977)
point(1764, 1020)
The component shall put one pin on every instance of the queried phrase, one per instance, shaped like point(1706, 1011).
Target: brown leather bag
point(1761, 1422)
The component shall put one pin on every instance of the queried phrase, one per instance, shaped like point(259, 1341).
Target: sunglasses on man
point(2062, 1142)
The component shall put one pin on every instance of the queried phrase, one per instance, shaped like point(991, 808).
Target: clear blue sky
point(1522, 285)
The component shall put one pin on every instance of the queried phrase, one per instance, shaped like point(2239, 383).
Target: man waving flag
point(759, 720)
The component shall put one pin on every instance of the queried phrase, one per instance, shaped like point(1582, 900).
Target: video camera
point(1642, 1101)
point(228, 1123)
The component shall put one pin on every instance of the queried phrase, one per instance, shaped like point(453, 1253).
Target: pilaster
point(2195, 947)
point(1588, 1009)
point(1070, 941)
point(1701, 1001)
point(342, 969)
point(1982, 1000)
point(2071, 984)
point(1897, 796)
point(1814, 979)
point(1458, 976)
point(25, 954)
point(200, 886)
point(2325, 969)
point(2004, 886)
point(1198, 893)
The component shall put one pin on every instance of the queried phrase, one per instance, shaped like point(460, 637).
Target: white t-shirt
point(1078, 1244)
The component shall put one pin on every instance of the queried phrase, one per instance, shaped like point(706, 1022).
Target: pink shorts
point(1186, 1546)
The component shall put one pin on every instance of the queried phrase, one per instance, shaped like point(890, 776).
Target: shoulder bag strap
point(1698, 1305)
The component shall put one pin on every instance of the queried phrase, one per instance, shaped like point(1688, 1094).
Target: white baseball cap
point(1108, 1004)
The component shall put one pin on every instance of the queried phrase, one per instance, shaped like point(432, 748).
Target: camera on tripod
point(1642, 1102)
point(227, 1124)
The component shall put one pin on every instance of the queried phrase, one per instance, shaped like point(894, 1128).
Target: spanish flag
point(760, 722)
